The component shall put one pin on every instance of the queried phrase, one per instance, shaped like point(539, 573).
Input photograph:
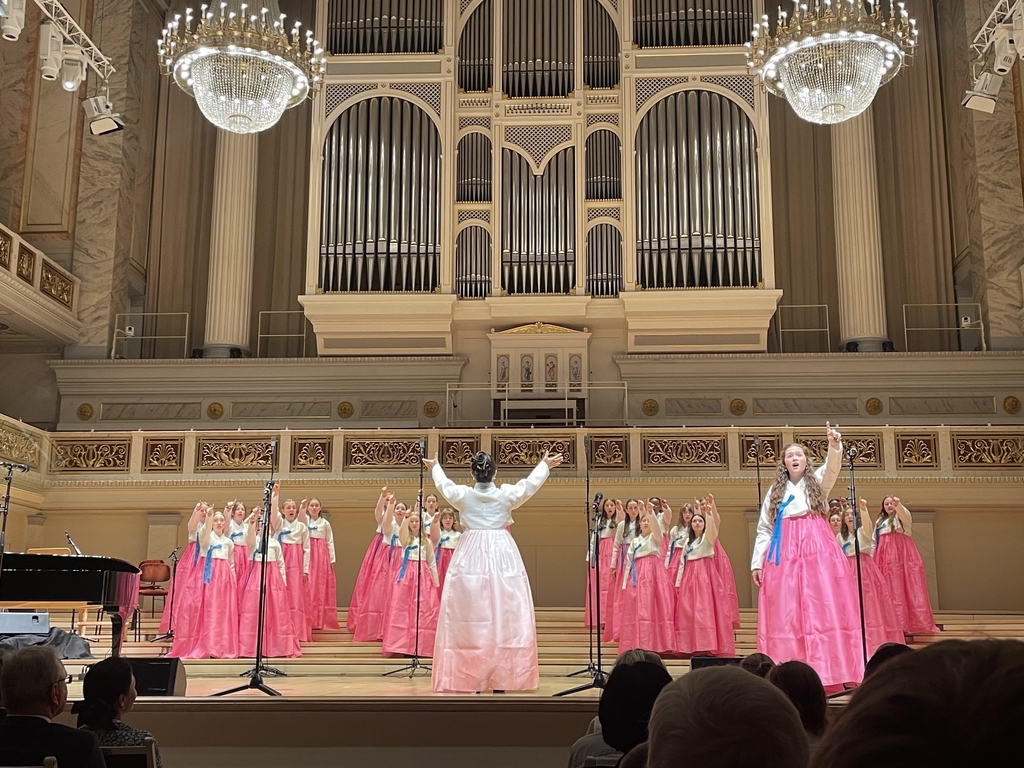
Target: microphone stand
point(851, 455)
point(256, 672)
point(5, 504)
point(591, 668)
point(174, 589)
point(415, 663)
point(757, 468)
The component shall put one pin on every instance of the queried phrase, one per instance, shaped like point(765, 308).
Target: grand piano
point(71, 582)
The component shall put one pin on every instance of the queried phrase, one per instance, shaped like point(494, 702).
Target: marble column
point(232, 242)
point(858, 235)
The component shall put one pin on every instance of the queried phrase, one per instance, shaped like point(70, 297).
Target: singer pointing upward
point(486, 630)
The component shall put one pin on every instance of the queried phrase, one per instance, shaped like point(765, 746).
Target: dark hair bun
point(483, 467)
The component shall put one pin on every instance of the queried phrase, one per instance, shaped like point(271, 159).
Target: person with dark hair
point(3, 711)
point(486, 629)
point(627, 701)
point(901, 564)
point(884, 654)
point(758, 664)
point(803, 687)
point(722, 717)
point(35, 690)
point(955, 703)
point(108, 694)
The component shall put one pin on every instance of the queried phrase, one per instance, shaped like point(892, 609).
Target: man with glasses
point(34, 685)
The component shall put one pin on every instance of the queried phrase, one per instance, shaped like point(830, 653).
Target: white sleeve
point(764, 535)
point(454, 492)
point(305, 549)
point(519, 493)
point(280, 566)
point(828, 473)
point(906, 521)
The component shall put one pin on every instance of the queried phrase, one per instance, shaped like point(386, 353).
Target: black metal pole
point(851, 454)
point(174, 588)
point(5, 505)
point(591, 668)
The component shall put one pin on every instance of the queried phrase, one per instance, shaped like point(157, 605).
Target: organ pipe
point(604, 261)
point(663, 23)
point(697, 194)
point(537, 48)
point(473, 263)
point(380, 210)
point(476, 51)
point(473, 169)
point(600, 47)
point(603, 166)
point(385, 26)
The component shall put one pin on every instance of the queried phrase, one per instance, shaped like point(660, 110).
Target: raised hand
point(834, 438)
point(551, 460)
point(429, 463)
point(896, 500)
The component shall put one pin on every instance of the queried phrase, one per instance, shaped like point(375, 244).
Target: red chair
point(154, 573)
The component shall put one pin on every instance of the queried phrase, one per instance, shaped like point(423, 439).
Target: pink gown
point(294, 540)
point(604, 562)
point(807, 605)
point(241, 551)
point(677, 542)
point(620, 548)
point(364, 618)
point(217, 626)
point(486, 630)
point(413, 582)
point(188, 560)
point(445, 549)
point(880, 622)
point(322, 584)
point(279, 638)
point(703, 615)
point(901, 564)
point(646, 610)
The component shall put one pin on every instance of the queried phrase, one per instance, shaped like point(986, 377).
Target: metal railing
point(557, 398)
point(962, 318)
point(795, 329)
point(128, 341)
point(269, 316)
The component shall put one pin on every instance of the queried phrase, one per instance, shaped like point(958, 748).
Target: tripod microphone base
point(590, 669)
point(597, 683)
point(255, 683)
point(411, 668)
point(162, 638)
point(265, 669)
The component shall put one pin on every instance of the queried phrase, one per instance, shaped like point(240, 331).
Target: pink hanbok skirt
point(298, 595)
point(278, 632)
point(444, 561)
point(807, 606)
point(645, 617)
point(604, 556)
point(188, 605)
point(241, 555)
point(672, 568)
point(217, 635)
point(400, 625)
point(356, 616)
point(901, 564)
point(610, 634)
point(180, 574)
point(724, 567)
point(703, 618)
point(486, 630)
point(880, 620)
point(323, 586)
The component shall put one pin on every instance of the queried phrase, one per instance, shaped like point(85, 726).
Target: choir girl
point(293, 536)
point(430, 505)
point(627, 528)
point(398, 512)
point(236, 533)
point(644, 616)
point(323, 584)
point(445, 537)
point(807, 605)
point(880, 622)
point(606, 525)
point(180, 578)
point(367, 602)
point(278, 631)
point(677, 537)
point(417, 580)
point(901, 564)
point(835, 516)
point(217, 624)
point(703, 615)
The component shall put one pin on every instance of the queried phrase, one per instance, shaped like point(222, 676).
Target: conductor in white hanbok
point(486, 631)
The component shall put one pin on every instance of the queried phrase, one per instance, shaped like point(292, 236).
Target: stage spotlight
point(12, 13)
point(1004, 46)
point(101, 115)
point(72, 68)
point(51, 50)
point(982, 96)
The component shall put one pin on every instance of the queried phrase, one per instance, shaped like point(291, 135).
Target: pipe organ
point(565, 149)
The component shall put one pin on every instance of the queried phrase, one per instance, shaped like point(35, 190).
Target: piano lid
point(18, 561)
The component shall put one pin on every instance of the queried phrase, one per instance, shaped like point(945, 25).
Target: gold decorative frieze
point(215, 410)
point(1011, 405)
point(609, 452)
point(85, 412)
point(917, 450)
point(980, 451)
point(873, 406)
point(229, 454)
point(765, 450)
point(382, 453)
point(55, 284)
point(26, 267)
point(163, 454)
point(868, 447)
point(458, 451)
point(678, 452)
point(346, 409)
point(737, 406)
point(513, 452)
point(18, 446)
point(311, 454)
point(650, 407)
point(92, 455)
point(431, 409)
point(6, 243)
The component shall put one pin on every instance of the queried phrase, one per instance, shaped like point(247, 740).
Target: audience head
point(34, 682)
point(952, 704)
point(757, 663)
point(725, 717)
point(3, 656)
point(803, 687)
point(626, 703)
point(108, 692)
point(638, 654)
point(886, 652)
point(636, 757)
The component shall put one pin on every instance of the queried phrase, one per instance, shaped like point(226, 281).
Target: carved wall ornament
point(873, 406)
point(382, 453)
point(346, 409)
point(163, 454)
point(216, 454)
point(458, 451)
point(513, 452)
point(18, 446)
point(311, 454)
point(6, 242)
point(215, 410)
point(57, 285)
point(538, 327)
point(737, 406)
point(706, 452)
point(917, 450)
point(85, 412)
point(650, 407)
point(26, 267)
point(767, 452)
point(1011, 405)
point(979, 451)
point(431, 409)
point(869, 448)
point(609, 452)
point(93, 455)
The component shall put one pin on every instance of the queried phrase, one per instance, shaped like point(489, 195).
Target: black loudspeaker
point(159, 677)
point(700, 662)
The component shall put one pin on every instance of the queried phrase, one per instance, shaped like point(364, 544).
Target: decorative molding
point(474, 213)
point(6, 241)
point(381, 453)
point(602, 99)
point(917, 450)
point(57, 285)
point(973, 450)
point(597, 213)
point(431, 409)
point(768, 450)
point(93, 455)
point(537, 109)
point(609, 452)
point(537, 140)
point(459, 451)
point(737, 406)
point(537, 327)
point(873, 406)
point(705, 452)
point(483, 122)
point(215, 410)
point(650, 407)
point(311, 454)
point(345, 409)
point(511, 452)
point(335, 94)
point(868, 445)
point(18, 446)
point(163, 454)
point(649, 87)
point(428, 92)
point(742, 86)
point(475, 102)
point(220, 454)
point(1011, 405)
point(85, 412)
point(26, 267)
point(602, 118)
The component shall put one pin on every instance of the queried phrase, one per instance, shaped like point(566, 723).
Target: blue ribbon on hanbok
point(236, 535)
point(775, 548)
point(632, 564)
point(391, 546)
point(281, 534)
point(443, 540)
point(195, 555)
point(846, 547)
point(208, 568)
point(405, 560)
point(672, 549)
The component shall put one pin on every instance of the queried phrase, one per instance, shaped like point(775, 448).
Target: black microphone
point(14, 465)
point(423, 447)
point(72, 543)
point(598, 497)
point(757, 440)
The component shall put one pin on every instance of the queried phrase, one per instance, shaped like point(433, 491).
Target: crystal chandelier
point(829, 60)
point(243, 69)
